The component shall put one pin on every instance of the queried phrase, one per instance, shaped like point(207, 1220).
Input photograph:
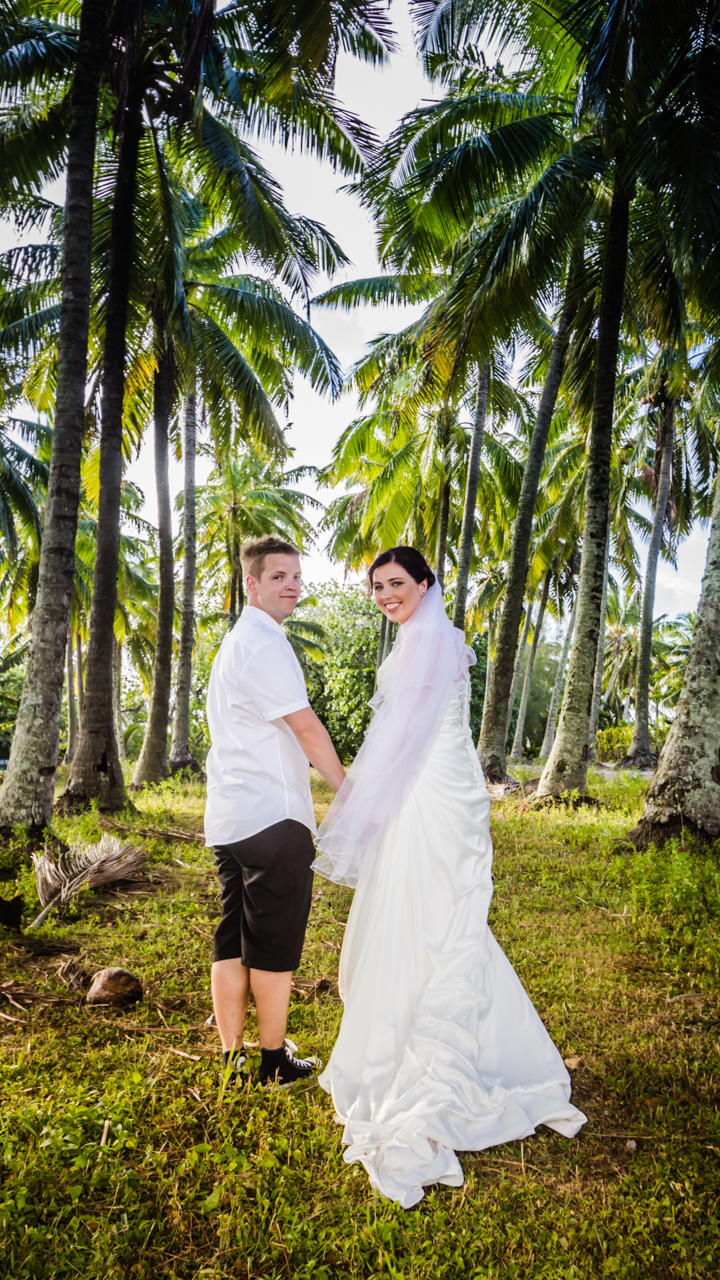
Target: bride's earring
point(423, 590)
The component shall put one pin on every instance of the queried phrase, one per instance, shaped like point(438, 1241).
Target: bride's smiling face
point(396, 593)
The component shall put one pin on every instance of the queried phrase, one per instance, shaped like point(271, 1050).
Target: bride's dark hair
point(410, 560)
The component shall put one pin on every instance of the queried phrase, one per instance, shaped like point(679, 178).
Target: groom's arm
point(317, 745)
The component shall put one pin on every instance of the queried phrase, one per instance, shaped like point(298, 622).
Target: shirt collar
point(252, 614)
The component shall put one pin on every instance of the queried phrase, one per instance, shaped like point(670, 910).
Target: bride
point(440, 1049)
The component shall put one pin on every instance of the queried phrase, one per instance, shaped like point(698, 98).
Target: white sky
point(380, 98)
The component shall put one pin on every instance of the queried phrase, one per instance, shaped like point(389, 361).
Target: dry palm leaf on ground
point(59, 879)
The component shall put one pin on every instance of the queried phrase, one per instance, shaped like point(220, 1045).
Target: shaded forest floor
point(619, 953)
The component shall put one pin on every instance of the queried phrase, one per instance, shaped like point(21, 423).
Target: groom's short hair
point(254, 553)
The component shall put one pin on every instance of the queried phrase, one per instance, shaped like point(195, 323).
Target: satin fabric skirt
point(440, 1049)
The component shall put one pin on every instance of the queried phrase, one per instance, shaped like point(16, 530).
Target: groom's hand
point(317, 745)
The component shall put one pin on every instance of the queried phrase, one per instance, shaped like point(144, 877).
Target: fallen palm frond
point(155, 833)
point(58, 880)
point(17, 994)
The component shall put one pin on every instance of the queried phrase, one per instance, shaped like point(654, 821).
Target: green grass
point(252, 1184)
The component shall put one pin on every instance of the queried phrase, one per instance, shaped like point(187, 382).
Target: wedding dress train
point(440, 1049)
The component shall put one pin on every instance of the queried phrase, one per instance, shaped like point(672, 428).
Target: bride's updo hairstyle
point(409, 559)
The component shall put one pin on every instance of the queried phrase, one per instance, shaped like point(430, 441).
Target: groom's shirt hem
point(257, 772)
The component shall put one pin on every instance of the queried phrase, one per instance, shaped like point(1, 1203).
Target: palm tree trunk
point(233, 616)
point(518, 671)
point(80, 677)
point(516, 753)
point(381, 641)
point(615, 673)
point(626, 706)
point(566, 769)
point(549, 737)
point(640, 754)
point(488, 663)
point(117, 701)
point(180, 754)
point(599, 660)
point(471, 488)
point(152, 765)
point(96, 772)
point(27, 792)
point(443, 520)
point(684, 793)
point(493, 739)
point(72, 706)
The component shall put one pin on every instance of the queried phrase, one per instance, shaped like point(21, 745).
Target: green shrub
point(341, 686)
point(613, 743)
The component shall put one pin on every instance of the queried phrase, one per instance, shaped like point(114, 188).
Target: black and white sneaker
point(233, 1063)
point(282, 1067)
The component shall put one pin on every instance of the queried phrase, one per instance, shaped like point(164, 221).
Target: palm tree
point(180, 754)
point(246, 497)
point(549, 735)
point(27, 793)
point(517, 747)
point(482, 144)
point(241, 341)
point(231, 178)
point(619, 99)
point(152, 761)
point(467, 533)
point(685, 791)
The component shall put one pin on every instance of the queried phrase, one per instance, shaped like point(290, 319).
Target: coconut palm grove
point(543, 424)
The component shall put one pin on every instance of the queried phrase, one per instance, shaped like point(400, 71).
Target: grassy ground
point(252, 1184)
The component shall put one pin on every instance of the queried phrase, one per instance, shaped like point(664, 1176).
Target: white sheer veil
point(414, 687)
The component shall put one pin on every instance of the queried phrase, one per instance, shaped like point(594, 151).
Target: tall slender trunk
point(640, 754)
point(626, 704)
point(96, 772)
point(615, 673)
point(384, 623)
point(567, 766)
point(685, 790)
point(493, 739)
point(518, 670)
point(152, 765)
point(516, 753)
point(233, 615)
point(549, 736)
point(599, 659)
point(442, 534)
point(117, 701)
point(180, 754)
point(27, 793)
point(488, 664)
point(80, 677)
point(72, 706)
point(471, 488)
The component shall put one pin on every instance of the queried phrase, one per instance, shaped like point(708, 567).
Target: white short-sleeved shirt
point(257, 773)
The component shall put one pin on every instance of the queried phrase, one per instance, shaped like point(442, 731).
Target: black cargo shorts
point(266, 884)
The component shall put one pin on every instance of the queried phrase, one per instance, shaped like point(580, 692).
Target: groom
point(259, 817)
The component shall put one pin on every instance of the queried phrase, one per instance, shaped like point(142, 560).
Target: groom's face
point(277, 589)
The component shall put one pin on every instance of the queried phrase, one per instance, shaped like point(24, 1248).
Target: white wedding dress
point(440, 1049)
